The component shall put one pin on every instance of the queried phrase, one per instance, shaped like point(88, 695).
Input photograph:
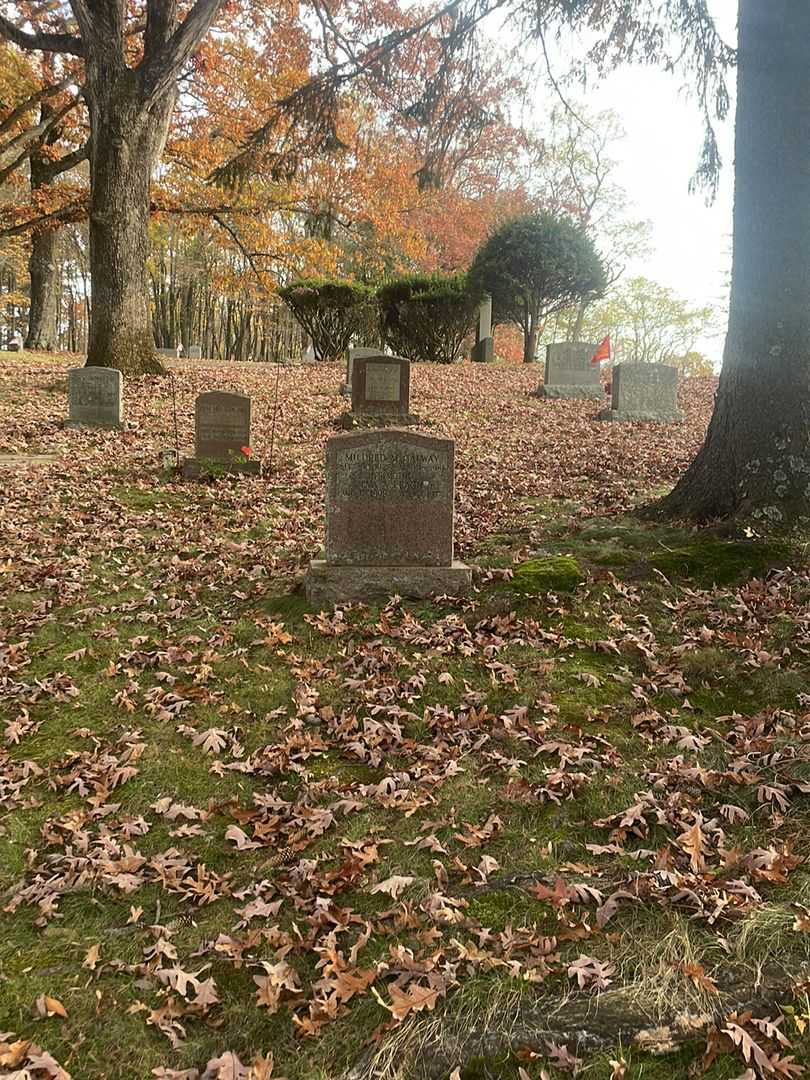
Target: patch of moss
point(555, 573)
point(496, 910)
point(710, 561)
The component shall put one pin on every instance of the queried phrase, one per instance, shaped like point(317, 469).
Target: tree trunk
point(42, 267)
point(755, 461)
point(127, 141)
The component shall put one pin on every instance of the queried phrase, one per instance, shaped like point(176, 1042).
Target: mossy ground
point(587, 582)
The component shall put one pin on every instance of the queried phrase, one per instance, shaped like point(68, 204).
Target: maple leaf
point(590, 972)
point(694, 843)
point(415, 998)
point(393, 886)
point(212, 741)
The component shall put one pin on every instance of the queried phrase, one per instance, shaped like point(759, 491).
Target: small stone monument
point(381, 392)
point(570, 373)
point(355, 352)
point(483, 350)
point(96, 397)
point(389, 519)
point(644, 392)
point(221, 436)
point(194, 352)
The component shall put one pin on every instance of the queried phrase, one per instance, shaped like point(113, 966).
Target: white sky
point(691, 243)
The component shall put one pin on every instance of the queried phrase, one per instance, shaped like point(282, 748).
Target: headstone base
point(78, 425)
point(353, 420)
point(581, 393)
point(195, 468)
point(327, 584)
point(623, 415)
point(483, 352)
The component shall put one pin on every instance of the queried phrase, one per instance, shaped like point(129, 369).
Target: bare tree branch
point(26, 106)
point(159, 70)
point(40, 41)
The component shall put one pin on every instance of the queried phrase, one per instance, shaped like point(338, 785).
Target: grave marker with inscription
point(96, 397)
point(381, 391)
point(389, 519)
point(221, 435)
point(570, 374)
point(644, 392)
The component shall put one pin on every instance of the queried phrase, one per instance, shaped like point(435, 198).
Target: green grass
point(562, 654)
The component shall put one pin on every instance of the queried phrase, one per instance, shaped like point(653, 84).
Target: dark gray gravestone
point(484, 349)
point(389, 519)
point(381, 386)
point(644, 392)
point(569, 372)
point(96, 397)
point(221, 435)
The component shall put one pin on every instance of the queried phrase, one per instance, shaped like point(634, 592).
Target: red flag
point(603, 352)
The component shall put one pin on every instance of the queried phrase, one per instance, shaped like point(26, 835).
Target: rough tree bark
point(755, 461)
point(42, 262)
point(129, 108)
point(42, 268)
point(128, 137)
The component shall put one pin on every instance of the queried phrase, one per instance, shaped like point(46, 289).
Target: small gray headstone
point(570, 373)
point(221, 425)
point(96, 397)
point(355, 352)
point(389, 518)
point(221, 435)
point(644, 392)
point(195, 352)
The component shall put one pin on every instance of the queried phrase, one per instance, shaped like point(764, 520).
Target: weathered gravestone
point(483, 350)
point(355, 352)
point(570, 373)
point(194, 352)
point(644, 392)
point(96, 397)
point(221, 435)
point(389, 519)
point(381, 391)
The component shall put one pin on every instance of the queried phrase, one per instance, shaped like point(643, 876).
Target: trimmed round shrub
point(427, 316)
point(332, 312)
